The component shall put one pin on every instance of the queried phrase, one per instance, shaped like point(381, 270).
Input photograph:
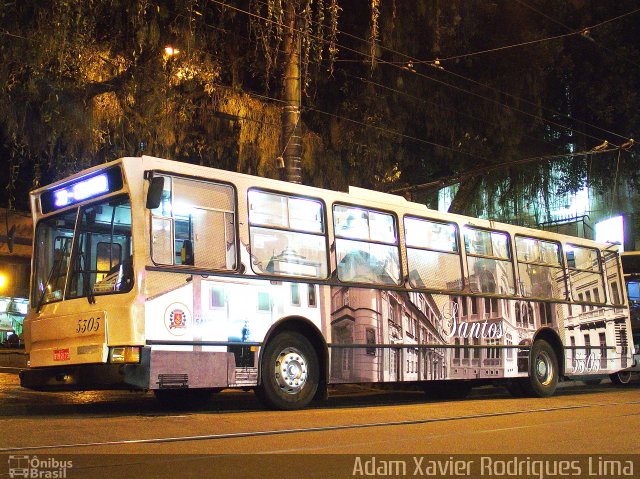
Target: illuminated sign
point(611, 231)
point(103, 182)
point(81, 191)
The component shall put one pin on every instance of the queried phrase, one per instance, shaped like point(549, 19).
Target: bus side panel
point(405, 322)
point(233, 313)
point(599, 340)
point(170, 319)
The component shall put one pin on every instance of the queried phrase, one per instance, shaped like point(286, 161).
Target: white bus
point(150, 274)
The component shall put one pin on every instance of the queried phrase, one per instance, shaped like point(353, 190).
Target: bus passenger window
point(366, 246)
point(540, 268)
point(585, 272)
point(489, 261)
point(433, 255)
point(195, 225)
point(287, 235)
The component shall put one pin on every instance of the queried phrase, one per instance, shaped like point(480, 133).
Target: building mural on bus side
point(243, 309)
point(370, 316)
point(601, 327)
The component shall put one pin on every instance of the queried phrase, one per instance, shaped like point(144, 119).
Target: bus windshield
point(84, 253)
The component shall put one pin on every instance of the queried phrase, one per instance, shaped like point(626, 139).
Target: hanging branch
point(268, 33)
point(375, 33)
point(334, 11)
point(319, 31)
point(307, 41)
point(315, 35)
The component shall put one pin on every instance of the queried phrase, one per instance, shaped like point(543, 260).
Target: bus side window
point(287, 235)
point(585, 274)
point(195, 225)
point(433, 255)
point(366, 246)
point(489, 260)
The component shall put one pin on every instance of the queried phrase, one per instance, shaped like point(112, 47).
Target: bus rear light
point(124, 354)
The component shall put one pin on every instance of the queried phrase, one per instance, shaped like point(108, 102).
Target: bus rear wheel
point(290, 372)
point(621, 378)
point(543, 371)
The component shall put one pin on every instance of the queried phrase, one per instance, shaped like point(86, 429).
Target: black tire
point(183, 399)
point(621, 378)
point(447, 389)
point(290, 372)
point(543, 371)
point(592, 382)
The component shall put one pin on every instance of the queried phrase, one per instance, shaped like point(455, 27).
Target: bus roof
point(355, 195)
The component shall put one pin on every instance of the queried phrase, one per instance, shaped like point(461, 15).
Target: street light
point(169, 51)
point(3, 280)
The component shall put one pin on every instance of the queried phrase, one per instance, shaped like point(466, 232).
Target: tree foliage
point(85, 82)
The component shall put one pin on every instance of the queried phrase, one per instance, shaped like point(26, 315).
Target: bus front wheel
point(543, 371)
point(290, 372)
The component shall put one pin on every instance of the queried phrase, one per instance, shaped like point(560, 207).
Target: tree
point(86, 82)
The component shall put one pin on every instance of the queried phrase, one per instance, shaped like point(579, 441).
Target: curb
point(9, 370)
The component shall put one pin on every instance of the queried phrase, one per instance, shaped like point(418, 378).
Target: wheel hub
point(291, 371)
point(544, 368)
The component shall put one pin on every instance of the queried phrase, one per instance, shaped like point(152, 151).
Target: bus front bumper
point(89, 377)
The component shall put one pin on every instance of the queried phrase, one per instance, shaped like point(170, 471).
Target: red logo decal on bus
point(177, 319)
point(61, 354)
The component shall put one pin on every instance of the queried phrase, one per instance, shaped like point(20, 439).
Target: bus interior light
point(124, 354)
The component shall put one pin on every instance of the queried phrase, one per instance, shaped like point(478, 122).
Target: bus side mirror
point(154, 195)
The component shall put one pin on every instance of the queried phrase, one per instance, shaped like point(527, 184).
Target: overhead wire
point(452, 73)
point(361, 123)
point(566, 27)
point(453, 179)
point(223, 4)
point(443, 107)
point(410, 59)
point(350, 120)
point(540, 40)
point(392, 132)
point(386, 87)
point(407, 94)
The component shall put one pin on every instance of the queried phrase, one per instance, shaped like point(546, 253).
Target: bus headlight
point(124, 354)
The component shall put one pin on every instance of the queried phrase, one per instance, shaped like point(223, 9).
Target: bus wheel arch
point(299, 330)
point(621, 378)
point(553, 339)
point(544, 369)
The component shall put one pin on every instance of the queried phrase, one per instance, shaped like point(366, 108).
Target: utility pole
point(292, 97)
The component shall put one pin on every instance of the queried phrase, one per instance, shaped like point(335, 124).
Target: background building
point(15, 270)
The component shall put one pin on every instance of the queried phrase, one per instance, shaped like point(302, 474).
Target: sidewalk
point(12, 360)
